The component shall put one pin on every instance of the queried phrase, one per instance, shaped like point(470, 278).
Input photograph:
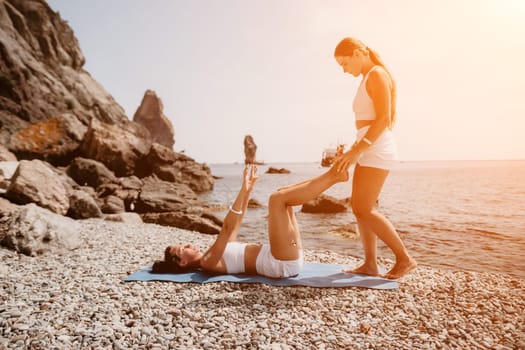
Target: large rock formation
point(41, 73)
point(150, 115)
point(79, 154)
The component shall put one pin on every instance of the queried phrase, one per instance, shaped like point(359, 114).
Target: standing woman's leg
point(368, 184)
point(284, 237)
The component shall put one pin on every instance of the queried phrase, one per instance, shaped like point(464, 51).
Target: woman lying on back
point(282, 257)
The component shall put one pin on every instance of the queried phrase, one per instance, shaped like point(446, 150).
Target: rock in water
point(250, 148)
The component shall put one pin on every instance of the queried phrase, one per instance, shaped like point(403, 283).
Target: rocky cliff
point(74, 149)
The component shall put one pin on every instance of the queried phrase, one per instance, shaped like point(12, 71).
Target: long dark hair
point(170, 264)
point(347, 46)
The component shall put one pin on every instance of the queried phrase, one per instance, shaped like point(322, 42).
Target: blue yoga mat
point(312, 275)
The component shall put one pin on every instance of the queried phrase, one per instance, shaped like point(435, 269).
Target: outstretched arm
point(232, 221)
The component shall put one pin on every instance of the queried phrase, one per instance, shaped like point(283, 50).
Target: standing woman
point(374, 153)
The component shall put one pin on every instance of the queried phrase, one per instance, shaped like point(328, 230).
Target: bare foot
point(401, 268)
point(364, 270)
point(339, 176)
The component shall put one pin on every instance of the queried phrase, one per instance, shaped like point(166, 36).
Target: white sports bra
point(363, 105)
point(233, 257)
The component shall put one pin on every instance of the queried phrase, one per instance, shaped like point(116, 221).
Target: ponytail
point(374, 56)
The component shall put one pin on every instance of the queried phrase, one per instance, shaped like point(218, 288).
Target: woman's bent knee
point(362, 211)
point(276, 199)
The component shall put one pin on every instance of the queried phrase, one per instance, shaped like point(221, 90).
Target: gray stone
point(33, 230)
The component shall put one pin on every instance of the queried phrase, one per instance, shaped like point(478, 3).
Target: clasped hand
point(345, 160)
point(250, 177)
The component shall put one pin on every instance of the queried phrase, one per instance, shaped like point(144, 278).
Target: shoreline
point(78, 299)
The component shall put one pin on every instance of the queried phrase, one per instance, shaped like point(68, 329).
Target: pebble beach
point(78, 300)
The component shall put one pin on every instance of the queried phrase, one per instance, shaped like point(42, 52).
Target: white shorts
point(381, 154)
point(267, 265)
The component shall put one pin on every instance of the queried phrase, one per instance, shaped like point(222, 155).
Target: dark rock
point(150, 115)
point(272, 170)
point(250, 148)
point(117, 148)
point(254, 203)
point(33, 230)
point(89, 172)
point(83, 206)
point(38, 182)
point(325, 204)
point(186, 221)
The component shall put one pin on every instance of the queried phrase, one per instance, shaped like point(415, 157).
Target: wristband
point(235, 211)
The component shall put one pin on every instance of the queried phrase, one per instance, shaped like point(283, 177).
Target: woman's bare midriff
point(362, 123)
point(250, 258)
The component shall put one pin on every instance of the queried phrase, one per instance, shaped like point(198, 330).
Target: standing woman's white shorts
point(381, 154)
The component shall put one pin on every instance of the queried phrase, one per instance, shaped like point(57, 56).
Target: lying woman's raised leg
point(282, 228)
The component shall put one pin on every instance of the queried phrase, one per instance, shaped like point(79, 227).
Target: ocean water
point(457, 215)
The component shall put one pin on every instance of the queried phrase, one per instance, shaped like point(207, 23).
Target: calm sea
point(460, 215)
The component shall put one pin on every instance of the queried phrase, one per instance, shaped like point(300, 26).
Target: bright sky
point(227, 68)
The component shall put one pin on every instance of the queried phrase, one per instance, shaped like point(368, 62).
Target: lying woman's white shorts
point(381, 154)
point(267, 265)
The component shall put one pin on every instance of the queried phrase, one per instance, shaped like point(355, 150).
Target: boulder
point(186, 221)
point(150, 115)
point(272, 170)
point(325, 204)
point(118, 148)
point(83, 206)
point(38, 182)
point(55, 140)
point(32, 230)
point(176, 167)
point(161, 196)
point(89, 172)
